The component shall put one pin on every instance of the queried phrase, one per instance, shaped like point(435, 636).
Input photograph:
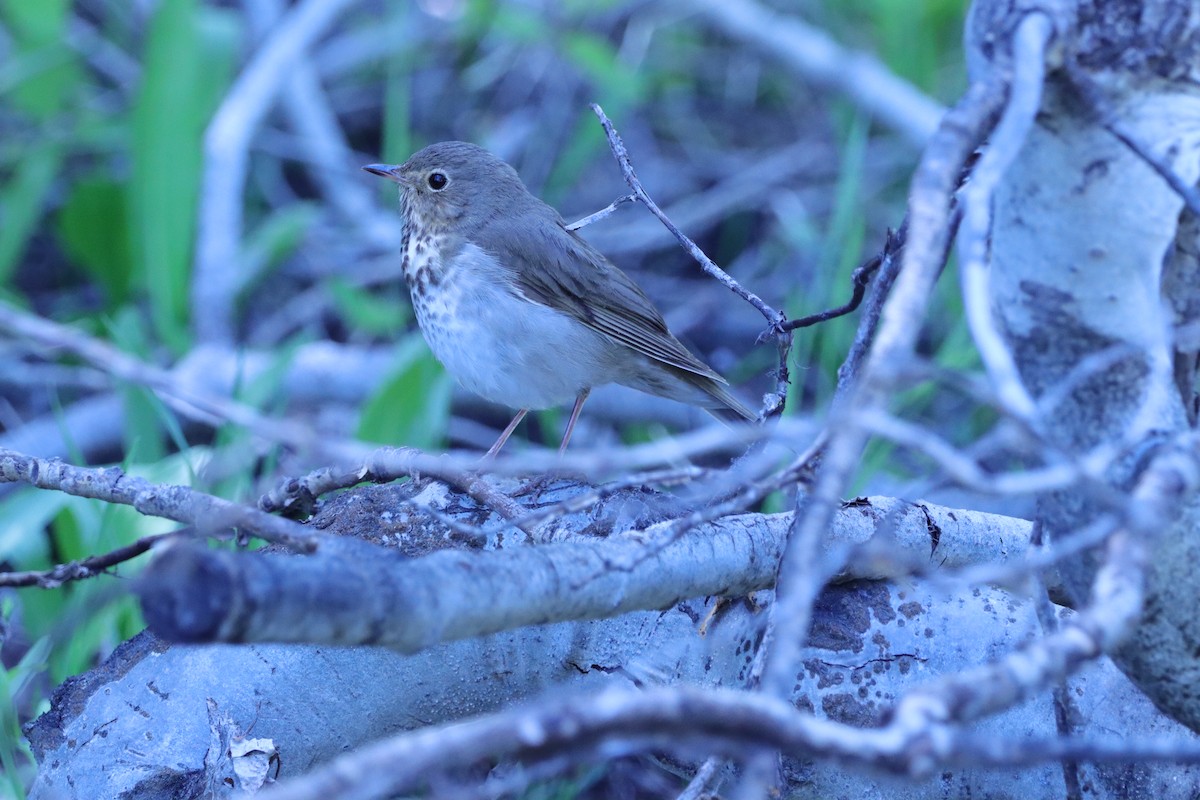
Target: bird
point(523, 311)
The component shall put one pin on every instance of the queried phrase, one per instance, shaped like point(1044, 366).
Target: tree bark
point(1082, 229)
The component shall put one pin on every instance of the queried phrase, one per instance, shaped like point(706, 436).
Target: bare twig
point(929, 218)
point(180, 503)
point(617, 146)
point(776, 319)
point(297, 496)
point(602, 213)
point(698, 786)
point(858, 281)
point(83, 568)
point(967, 472)
point(1025, 98)
point(207, 408)
point(1064, 707)
point(723, 719)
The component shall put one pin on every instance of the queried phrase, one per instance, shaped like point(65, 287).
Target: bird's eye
point(437, 181)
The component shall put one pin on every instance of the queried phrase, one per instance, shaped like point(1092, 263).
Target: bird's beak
point(389, 171)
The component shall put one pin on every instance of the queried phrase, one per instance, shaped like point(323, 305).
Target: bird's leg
point(512, 426)
point(539, 483)
point(579, 401)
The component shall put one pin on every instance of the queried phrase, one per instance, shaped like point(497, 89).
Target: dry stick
point(673, 718)
point(892, 247)
point(212, 409)
point(207, 408)
point(83, 568)
point(966, 471)
point(297, 496)
point(226, 158)
point(1025, 98)
point(698, 786)
point(602, 213)
point(622, 156)
point(726, 718)
point(179, 503)
point(929, 218)
point(774, 318)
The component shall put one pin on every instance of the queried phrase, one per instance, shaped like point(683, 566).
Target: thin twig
point(619, 152)
point(180, 503)
point(698, 786)
point(84, 568)
point(1025, 98)
point(602, 213)
point(892, 247)
point(1064, 708)
point(297, 496)
point(773, 403)
point(210, 409)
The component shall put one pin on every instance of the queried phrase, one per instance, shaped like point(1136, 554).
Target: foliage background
point(103, 109)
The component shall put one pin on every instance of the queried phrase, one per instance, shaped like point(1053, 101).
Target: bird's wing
point(572, 277)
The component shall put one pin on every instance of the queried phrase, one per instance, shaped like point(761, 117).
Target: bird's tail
point(730, 409)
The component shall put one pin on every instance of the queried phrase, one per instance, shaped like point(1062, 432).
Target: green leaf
point(413, 406)
point(24, 515)
point(187, 64)
point(368, 312)
point(93, 229)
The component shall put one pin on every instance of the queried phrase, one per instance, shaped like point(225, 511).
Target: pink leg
point(579, 401)
point(512, 426)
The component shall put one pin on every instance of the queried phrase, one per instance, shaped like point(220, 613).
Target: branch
point(208, 408)
point(83, 568)
point(451, 594)
point(180, 503)
point(296, 497)
point(622, 156)
point(1025, 98)
point(721, 719)
point(775, 319)
point(929, 221)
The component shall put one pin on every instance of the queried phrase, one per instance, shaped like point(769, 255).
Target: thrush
point(522, 311)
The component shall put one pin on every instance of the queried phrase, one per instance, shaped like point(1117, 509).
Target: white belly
point(507, 349)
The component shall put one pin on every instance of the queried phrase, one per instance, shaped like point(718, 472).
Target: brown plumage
point(522, 311)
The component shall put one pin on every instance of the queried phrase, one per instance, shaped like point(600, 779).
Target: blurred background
point(156, 198)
